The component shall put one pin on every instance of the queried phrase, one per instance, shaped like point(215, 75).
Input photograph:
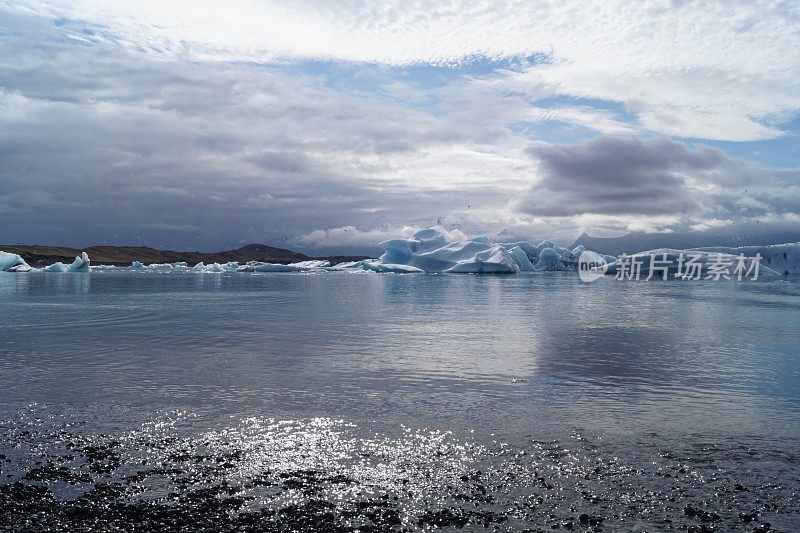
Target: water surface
point(502, 401)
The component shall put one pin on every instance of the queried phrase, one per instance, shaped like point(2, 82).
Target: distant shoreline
point(38, 255)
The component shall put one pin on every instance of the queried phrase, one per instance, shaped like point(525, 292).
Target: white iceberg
point(81, 264)
point(302, 266)
point(666, 263)
point(781, 258)
point(311, 264)
point(231, 266)
point(522, 259)
point(430, 250)
point(136, 265)
point(376, 266)
point(495, 260)
point(13, 263)
point(348, 265)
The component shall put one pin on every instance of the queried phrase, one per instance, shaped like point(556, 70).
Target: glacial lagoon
point(339, 401)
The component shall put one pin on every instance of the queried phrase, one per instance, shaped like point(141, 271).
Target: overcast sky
point(320, 126)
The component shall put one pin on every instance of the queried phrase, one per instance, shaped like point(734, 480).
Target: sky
point(332, 126)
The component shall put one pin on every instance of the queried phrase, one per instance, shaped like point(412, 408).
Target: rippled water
point(337, 401)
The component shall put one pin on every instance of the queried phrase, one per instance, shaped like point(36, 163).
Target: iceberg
point(13, 263)
point(495, 260)
point(376, 266)
point(522, 259)
point(81, 264)
point(302, 266)
point(347, 265)
point(312, 264)
point(136, 265)
point(430, 251)
point(781, 258)
point(688, 264)
point(550, 260)
point(231, 266)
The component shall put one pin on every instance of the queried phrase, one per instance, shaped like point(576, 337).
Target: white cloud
point(350, 236)
point(599, 120)
point(715, 70)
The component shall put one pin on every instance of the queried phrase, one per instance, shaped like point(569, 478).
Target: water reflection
point(458, 350)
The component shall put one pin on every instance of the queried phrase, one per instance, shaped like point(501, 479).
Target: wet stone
point(325, 475)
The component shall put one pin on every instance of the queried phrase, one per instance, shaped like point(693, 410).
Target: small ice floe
point(231, 266)
point(177, 265)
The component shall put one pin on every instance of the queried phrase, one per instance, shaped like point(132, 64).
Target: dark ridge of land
point(37, 255)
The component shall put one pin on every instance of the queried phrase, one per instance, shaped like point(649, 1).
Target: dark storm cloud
point(630, 175)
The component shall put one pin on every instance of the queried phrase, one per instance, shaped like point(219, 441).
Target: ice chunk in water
point(431, 251)
point(521, 259)
point(81, 264)
point(376, 266)
point(495, 260)
point(13, 263)
point(782, 258)
point(301, 266)
point(550, 260)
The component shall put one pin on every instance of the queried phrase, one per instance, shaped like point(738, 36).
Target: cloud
point(157, 191)
point(628, 175)
point(599, 120)
point(367, 241)
point(127, 146)
point(612, 175)
point(120, 121)
point(713, 70)
point(350, 236)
